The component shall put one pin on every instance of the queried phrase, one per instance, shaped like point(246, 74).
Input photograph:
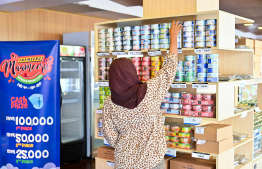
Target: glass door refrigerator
point(73, 99)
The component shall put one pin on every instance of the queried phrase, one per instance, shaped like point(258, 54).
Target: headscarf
point(126, 88)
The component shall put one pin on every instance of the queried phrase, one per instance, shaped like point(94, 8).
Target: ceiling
point(122, 9)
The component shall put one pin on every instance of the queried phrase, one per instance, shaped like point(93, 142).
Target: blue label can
point(201, 79)
point(211, 38)
point(165, 26)
point(188, 34)
point(189, 23)
point(145, 32)
point(212, 56)
point(212, 60)
point(136, 37)
point(201, 70)
point(211, 21)
point(189, 68)
point(155, 26)
point(200, 28)
point(155, 36)
point(211, 33)
point(200, 22)
point(164, 36)
point(144, 37)
point(155, 31)
point(136, 42)
point(188, 39)
point(214, 65)
point(145, 27)
point(212, 74)
point(136, 33)
point(201, 56)
point(145, 42)
point(164, 46)
point(164, 41)
point(202, 65)
point(212, 70)
point(155, 41)
point(201, 61)
point(201, 75)
point(136, 28)
point(212, 79)
point(200, 33)
point(155, 46)
point(179, 78)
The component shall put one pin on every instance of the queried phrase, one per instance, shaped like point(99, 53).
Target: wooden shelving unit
point(231, 61)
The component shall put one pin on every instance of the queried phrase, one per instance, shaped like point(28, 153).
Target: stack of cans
point(188, 34)
point(102, 40)
point(164, 36)
point(137, 62)
point(118, 39)
point(212, 71)
point(136, 33)
point(127, 38)
point(155, 32)
point(110, 39)
point(146, 68)
point(201, 67)
point(104, 92)
point(179, 40)
point(103, 69)
point(180, 72)
point(200, 35)
point(189, 67)
point(211, 32)
point(145, 37)
point(155, 65)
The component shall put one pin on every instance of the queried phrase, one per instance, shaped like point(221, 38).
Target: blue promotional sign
point(29, 105)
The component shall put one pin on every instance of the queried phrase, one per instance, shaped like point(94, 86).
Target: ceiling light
point(260, 28)
point(248, 24)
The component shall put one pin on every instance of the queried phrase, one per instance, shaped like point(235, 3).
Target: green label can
point(108, 93)
point(101, 88)
point(190, 79)
point(190, 57)
point(102, 92)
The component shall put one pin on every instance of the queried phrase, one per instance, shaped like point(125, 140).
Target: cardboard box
point(257, 65)
point(104, 164)
point(257, 44)
point(215, 147)
point(167, 161)
point(257, 58)
point(258, 51)
point(186, 163)
point(106, 152)
point(257, 72)
point(246, 42)
point(213, 132)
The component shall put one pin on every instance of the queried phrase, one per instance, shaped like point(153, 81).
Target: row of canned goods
point(104, 92)
point(104, 64)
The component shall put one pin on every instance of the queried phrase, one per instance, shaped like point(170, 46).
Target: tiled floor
point(84, 164)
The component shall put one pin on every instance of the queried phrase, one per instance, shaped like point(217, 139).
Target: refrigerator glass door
point(72, 110)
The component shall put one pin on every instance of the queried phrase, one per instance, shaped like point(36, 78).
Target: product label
point(171, 152)
point(200, 85)
point(154, 52)
point(134, 52)
point(178, 85)
point(200, 130)
point(119, 53)
point(100, 134)
point(244, 114)
point(201, 155)
point(110, 164)
point(103, 84)
point(103, 53)
point(203, 50)
point(106, 143)
point(257, 109)
point(99, 111)
point(192, 120)
point(201, 142)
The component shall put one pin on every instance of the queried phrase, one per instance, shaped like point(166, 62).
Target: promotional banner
point(29, 105)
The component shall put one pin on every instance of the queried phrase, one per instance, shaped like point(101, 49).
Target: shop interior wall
point(40, 24)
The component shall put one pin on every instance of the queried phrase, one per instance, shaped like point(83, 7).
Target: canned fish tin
point(189, 23)
point(136, 38)
point(127, 28)
point(145, 27)
point(215, 65)
point(211, 21)
point(145, 42)
point(200, 44)
point(145, 32)
point(188, 34)
point(200, 22)
point(200, 33)
point(136, 33)
point(201, 70)
point(197, 108)
point(108, 93)
point(155, 46)
point(201, 79)
point(102, 40)
point(174, 106)
point(102, 35)
point(200, 38)
point(145, 46)
point(155, 41)
point(188, 29)
point(102, 31)
point(167, 127)
point(155, 36)
point(189, 74)
point(197, 97)
point(189, 68)
point(201, 75)
point(189, 63)
point(118, 43)
point(212, 74)
point(117, 34)
point(164, 46)
point(118, 48)
point(146, 59)
point(174, 101)
point(201, 56)
point(145, 78)
point(212, 79)
point(109, 30)
point(127, 37)
point(187, 96)
point(165, 26)
point(186, 107)
point(102, 44)
point(200, 28)
point(110, 43)
point(136, 59)
point(212, 56)
point(119, 29)
point(189, 57)
point(188, 45)
point(164, 36)
point(144, 37)
point(164, 41)
point(211, 33)
point(163, 111)
point(135, 42)
point(207, 108)
point(190, 79)
point(211, 27)
point(145, 73)
point(136, 47)
point(102, 97)
point(212, 70)
point(211, 43)
point(180, 63)
point(199, 61)
point(155, 26)
point(188, 39)
point(155, 31)
point(110, 48)
point(102, 48)
point(109, 35)
point(179, 78)
point(164, 31)
point(180, 73)
point(164, 106)
point(208, 97)
point(127, 47)
point(212, 60)
point(112, 39)
point(176, 95)
point(136, 28)
point(211, 38)
point(155, 63)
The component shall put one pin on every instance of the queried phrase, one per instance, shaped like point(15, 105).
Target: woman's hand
point(173, 32)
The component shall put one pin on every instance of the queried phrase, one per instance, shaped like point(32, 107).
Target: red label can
point(187, 96)
point(198, 97)
point(147, 59)
point(197, 108)
point(207, 97)
point(207, 108)
point(145, 63)
point(145, 78)
point(144, 68)
point(186, 107)
point(146, 73)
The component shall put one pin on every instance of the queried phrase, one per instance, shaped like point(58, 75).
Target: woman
point(132, 121)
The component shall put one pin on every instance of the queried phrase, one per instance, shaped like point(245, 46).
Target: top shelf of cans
point(199, 34)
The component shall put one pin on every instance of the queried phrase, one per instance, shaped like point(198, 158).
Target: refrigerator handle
point(61, 97)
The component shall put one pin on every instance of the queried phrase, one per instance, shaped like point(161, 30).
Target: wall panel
point(4, 31)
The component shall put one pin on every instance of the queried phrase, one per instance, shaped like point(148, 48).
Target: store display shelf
point(243, 165)
point(240, 113)
point(242, 142)
point(257, 136)
point(190, 151)
point(257, 156)
point(180, 117)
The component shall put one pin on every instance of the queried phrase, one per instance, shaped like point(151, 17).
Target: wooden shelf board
point(180, 117)
point(190, 151)
point(240, 113)
point(257, 136)
point(243, 165)
point(257, 156)
point(242, 142)
point(97, 137)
